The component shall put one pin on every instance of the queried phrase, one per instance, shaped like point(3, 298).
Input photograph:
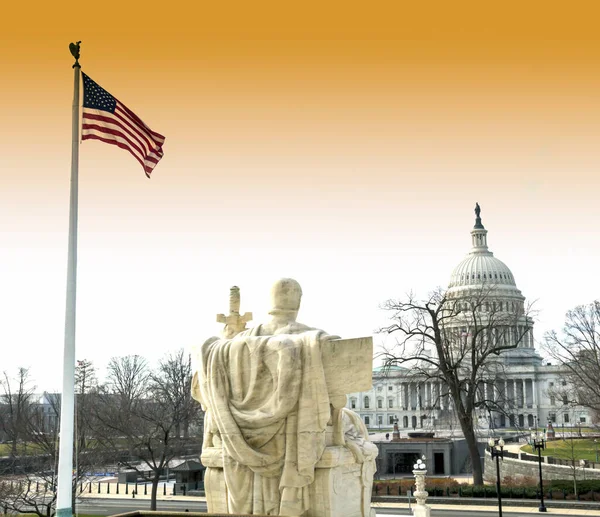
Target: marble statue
point(277, 437)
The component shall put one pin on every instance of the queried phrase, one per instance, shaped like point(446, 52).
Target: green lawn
point(567, 449)
point(22, 449)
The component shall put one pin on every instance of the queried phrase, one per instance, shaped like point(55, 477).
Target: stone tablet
point(348, 366)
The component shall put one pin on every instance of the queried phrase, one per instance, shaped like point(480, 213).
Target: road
point(105, 506)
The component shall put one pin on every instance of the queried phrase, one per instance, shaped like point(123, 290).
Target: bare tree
point(172, 383)
point(577, 348)
point(86, 384)
point(29, 494)
point(32, 488)
point(458, 343)
point(139, 413)
point(128, 377)
point(16, 404)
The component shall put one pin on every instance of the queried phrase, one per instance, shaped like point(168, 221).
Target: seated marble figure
point(277, 438)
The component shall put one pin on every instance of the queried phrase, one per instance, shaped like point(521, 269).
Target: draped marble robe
point(267, 406)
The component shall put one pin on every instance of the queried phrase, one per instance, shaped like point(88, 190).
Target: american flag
point(109, 120)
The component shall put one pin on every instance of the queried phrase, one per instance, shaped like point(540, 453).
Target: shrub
point(583, 485)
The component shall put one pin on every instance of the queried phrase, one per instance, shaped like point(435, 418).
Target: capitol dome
point(480, 267)
point(485, 282)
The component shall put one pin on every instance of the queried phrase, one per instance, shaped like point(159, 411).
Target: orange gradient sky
point(344, 146)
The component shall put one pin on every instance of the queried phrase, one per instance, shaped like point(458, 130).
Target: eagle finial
point(74, 48)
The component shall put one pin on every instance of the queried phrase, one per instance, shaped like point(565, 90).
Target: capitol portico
point(525, 391)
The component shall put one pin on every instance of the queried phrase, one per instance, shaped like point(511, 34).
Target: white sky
point(144, 292)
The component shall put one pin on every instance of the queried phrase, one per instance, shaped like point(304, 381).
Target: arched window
point(366, 403)
point(405, 421)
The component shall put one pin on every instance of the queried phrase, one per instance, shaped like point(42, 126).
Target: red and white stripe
point(126, 130)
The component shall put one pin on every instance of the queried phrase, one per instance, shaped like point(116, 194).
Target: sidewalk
point(492, 509)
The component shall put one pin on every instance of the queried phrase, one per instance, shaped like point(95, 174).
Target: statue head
point(285, 298)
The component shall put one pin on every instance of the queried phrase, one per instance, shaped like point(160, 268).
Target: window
point(565, 400)
point(390, 388)
point(552, 401)
point(353, 403)
point(552, 417)
point(551, 384)
point(566, 418)
point(379, 388)
point(564, 383)
point(582, 419)
point(391, 420)
point(390, 403)
point(367, 420)
point(380, 420)
point(380, 403)
point(366, 403)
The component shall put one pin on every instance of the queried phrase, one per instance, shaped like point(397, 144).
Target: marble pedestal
point(421, 509)
point(337, 489)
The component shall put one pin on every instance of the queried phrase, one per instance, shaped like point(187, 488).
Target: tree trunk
point(471, 439)
point(154, 492)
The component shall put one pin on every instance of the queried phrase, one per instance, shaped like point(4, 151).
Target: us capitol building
point(529, 388)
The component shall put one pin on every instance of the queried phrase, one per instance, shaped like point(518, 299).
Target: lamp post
point(538, 443)
point(596, 444)
point(421, 509)
point(496, 448)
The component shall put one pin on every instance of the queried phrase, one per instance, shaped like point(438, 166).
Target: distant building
point(530, 389)
point(47, 409)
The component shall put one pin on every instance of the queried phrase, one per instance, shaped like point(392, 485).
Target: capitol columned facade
point(525, 391)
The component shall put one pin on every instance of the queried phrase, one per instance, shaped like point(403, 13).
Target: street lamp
point(538, 443)
point(596, 444)
point(496, 448)
point(421, 508)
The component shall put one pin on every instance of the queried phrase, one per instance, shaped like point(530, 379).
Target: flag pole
point(64, 505)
